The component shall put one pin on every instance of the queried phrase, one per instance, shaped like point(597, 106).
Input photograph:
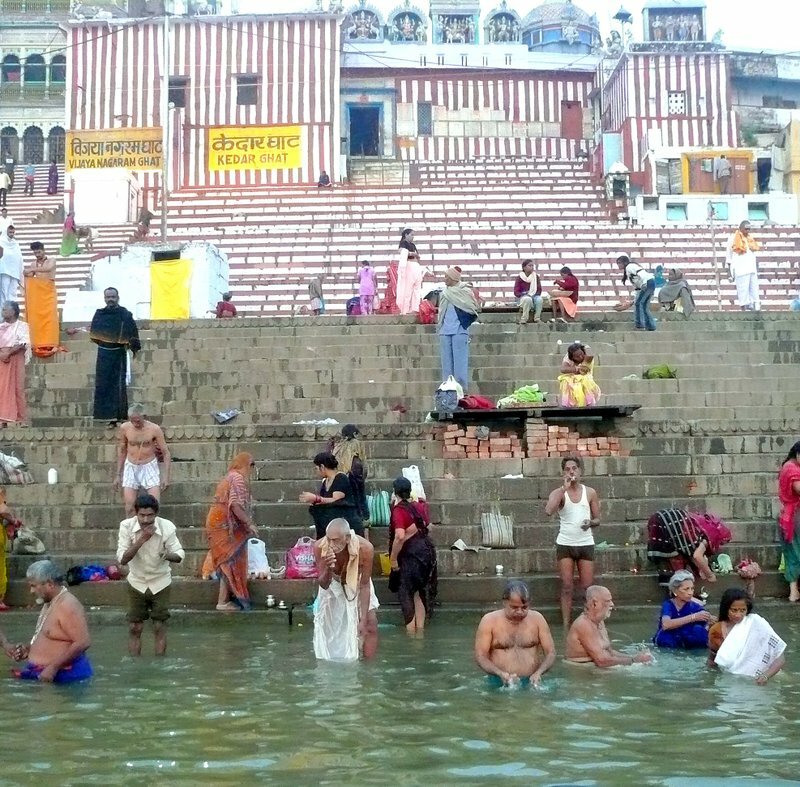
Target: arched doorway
point(9, 142)
point(35, 70)
point(33, 145)
point(58, 70)
point(10, 69)
point(55, 144)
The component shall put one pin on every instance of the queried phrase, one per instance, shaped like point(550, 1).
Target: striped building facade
point(684, 97)
point(494, 113)
point(115, 80)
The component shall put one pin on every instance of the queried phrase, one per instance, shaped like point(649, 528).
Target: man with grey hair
point(57, 652)
point(588, 641)
point(514, 645)
point(345, 619)
point(140, 445)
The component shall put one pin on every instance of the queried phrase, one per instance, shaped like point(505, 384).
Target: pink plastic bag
point(300, 562)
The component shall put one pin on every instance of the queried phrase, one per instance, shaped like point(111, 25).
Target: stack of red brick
point(544, 441)
point(463, 443)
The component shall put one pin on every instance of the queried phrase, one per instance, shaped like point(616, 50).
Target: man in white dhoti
point(345, 619)
point(743, 267)
point(10, 265)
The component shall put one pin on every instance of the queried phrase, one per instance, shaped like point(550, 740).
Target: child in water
point(742, 642)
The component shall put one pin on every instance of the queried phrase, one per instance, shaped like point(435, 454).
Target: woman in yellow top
point(577, 387)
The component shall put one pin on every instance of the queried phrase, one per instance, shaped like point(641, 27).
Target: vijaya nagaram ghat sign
point(125, 148)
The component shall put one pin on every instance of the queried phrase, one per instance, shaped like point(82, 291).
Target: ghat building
point(275, 99)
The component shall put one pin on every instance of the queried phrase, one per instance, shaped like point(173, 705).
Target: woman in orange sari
point(229, 525)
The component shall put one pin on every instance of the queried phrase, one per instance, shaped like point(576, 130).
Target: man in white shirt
point(11, 265)
point(5, 220)
point(5, 185)
point(148, 545)
point(743, 267)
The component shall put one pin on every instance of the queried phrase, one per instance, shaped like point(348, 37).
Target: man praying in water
point(588, 641)
point(513, 645)
point(345, 617)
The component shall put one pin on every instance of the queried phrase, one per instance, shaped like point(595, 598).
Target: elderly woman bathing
point(683, 622)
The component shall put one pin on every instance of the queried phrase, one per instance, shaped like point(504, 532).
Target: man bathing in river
point(588, 641)
point(138, 444)
point(514, 644)
point(57, 653)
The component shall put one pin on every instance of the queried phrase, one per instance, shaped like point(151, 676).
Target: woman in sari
point(409, 274)
point(412, 555)
point(564, 298)
point(69, 240)
point(789, 520)
point(9, 525)
point(351, 455)
point(679, 539)
point(684, 622)
point(389, 301)
point(577, 387)
point(52, 178)
point(229, 526)
point(15, 352)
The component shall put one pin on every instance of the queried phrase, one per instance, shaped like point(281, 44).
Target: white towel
point(751, 647)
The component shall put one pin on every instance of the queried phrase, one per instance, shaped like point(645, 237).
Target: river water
point(242, 701)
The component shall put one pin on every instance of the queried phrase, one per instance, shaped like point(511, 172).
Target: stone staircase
point(711, 440)
point(484, 215)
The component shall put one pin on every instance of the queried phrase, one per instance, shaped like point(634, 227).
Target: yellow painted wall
point(732, 153)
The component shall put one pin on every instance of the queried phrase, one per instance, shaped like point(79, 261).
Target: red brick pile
point(463, 443)
point(544, 441)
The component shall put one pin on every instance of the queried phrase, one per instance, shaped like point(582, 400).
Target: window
point(425, 119)
point(649, 203)
point(58, 69)
point(247, 90)
point(676, 211)
point(439, 60)
point(464, 60)
point(177, 91)
point(757, 211)
point(720, 210)
point(423, 61)
point(778, 102)
point(508, 60)
point(676, 102)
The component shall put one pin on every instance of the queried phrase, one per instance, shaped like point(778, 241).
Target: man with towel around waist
point(346, 603)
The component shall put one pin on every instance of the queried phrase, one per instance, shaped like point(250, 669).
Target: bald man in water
point(588, 641)
point(515, 643)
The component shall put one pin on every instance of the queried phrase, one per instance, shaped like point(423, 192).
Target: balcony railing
point(32, 91)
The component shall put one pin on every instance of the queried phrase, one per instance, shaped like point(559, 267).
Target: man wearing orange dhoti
point(41, 303)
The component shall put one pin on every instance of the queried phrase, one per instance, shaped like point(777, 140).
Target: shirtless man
point(587, 640)
point(138, 440)
point(514, 643)
point(42, 268)
point(578, 509)
point(346, 602)
point(57, 653)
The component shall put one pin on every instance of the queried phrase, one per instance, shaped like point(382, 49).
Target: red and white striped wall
point(115, 72)
point(466, 148)
point(636, 99)
point(523, 98)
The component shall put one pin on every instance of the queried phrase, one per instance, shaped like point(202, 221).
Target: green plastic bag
point(660, 372)
point(379, 513)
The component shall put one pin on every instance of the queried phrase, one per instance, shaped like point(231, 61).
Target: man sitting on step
point(140, 445)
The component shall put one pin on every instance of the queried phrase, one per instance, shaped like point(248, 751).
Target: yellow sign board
point(127, 148)
point(236, 148)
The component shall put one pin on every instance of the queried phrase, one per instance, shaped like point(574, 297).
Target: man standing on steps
point(514, 644)
point(114, 332)
point(140, 445)
point(148, 545)
point(578, 508)
point(5, 186)
point(588, 641)
point(743, 267)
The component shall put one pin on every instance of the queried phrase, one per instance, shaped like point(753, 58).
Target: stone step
point(627, 588)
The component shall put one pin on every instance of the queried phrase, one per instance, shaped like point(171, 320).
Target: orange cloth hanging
point(41, 314)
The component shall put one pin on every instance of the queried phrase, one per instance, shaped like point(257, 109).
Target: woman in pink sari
point(15, 352)
point(789, 495)
point(389, 300)
point(409, 275)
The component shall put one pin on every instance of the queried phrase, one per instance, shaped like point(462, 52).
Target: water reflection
point(236, 704)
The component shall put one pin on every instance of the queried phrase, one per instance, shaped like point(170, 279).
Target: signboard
point(127, 148)
point(239, 148)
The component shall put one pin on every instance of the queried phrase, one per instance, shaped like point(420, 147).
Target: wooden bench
point(547, 413)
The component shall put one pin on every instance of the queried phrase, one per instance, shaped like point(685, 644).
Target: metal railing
point(34, 6)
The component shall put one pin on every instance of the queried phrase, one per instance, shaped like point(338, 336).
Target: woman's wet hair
point(731, 595)
point(794, 452)
point(327, 460)
point(516, 587)
point(14, 306)
point(402, 487)
point(350, 431)
point(678, 578)
point(573, 348)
